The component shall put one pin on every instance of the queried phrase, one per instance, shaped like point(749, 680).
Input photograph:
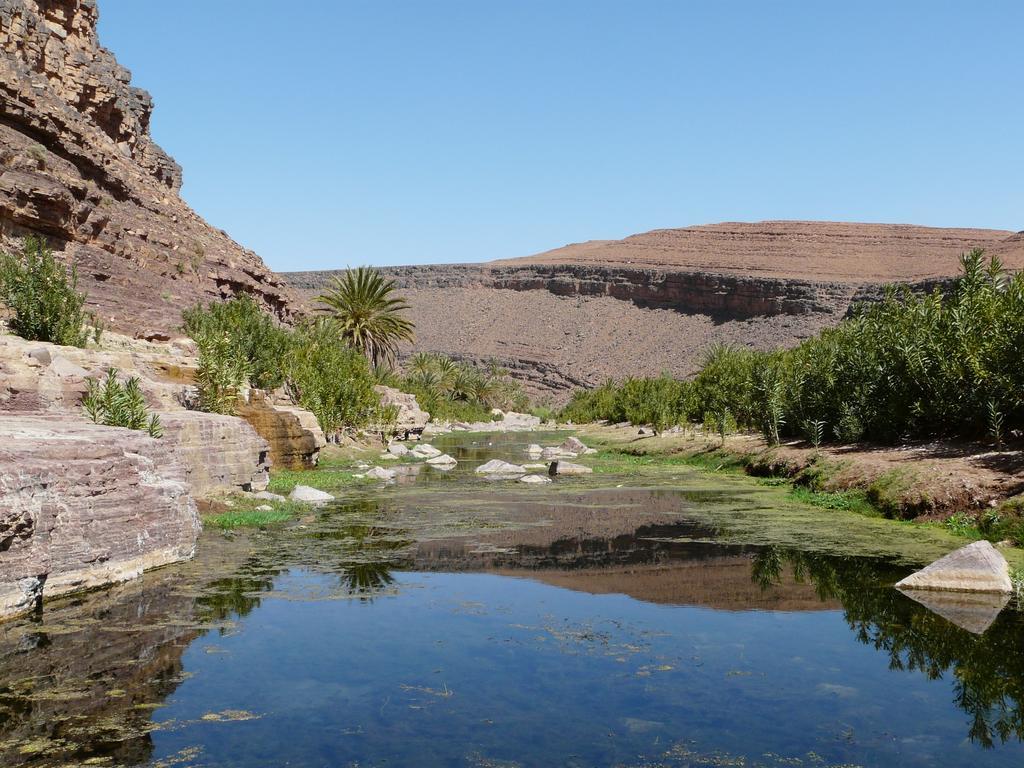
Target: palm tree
point(368, 314)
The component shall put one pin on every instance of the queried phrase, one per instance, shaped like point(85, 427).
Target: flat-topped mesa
point(654, 302)
point(78, 166)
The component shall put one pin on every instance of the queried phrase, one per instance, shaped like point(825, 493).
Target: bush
point(456, 391)
point(43, 295)
point(327, 377)
point(908, 366)
point(222, 373)
point(253, 336)
point(117, 404)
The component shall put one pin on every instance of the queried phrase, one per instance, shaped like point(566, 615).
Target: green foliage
point(456, 391)
point(908, 366)
point(962, 524)
point(369, 316)
point(221, 374)
point(253, 336)
point(44, 298)
point(660, 402)
point(119, 404)
point(327, 377)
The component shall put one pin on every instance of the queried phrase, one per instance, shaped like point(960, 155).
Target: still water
point(453, 622)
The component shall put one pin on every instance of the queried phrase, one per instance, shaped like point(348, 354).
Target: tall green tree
point(368, 313)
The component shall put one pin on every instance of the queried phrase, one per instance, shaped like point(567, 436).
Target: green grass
point(335, 471)
point(243, 513)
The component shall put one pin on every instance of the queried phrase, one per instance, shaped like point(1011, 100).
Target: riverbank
point(968, 489)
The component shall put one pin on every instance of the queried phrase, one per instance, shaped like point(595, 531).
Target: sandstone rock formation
point(83, 505)
point(650, 303)
point(978, 567)
point(410, 415)
point(221, 454)
point(294, 436)
point(78, 166)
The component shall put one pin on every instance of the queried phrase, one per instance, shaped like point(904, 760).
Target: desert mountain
point(78, 165)
point(653, 302)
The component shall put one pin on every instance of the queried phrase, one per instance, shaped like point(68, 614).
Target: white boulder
point(978, 567)
point(499, 467)
point(311, 495)
point(425, 451)
point(397, 449)
point(534, 479)
point(568, 468)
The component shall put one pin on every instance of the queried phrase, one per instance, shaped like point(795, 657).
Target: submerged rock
point(379, 473)
point(499, 467)
point(534, 451)
point(311, 495)
point(568, 468)
point(978, 567)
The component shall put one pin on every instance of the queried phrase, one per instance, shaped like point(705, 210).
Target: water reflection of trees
point(988, 670)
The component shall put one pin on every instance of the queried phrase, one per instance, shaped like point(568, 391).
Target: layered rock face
point(293, 436)
point(78, 166)
point(220, 453)
point(83, 505)
point(654, 302)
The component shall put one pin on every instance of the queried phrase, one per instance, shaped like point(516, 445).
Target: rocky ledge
point(83, 505)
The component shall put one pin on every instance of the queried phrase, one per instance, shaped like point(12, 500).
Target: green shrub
point(252, 334)
point(457, 391)
point(117, 404)
point(43, 295)
point(907, 366)
point(329, 378)
point(221, 374)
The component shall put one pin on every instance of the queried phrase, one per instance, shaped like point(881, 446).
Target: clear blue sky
point(327, 133)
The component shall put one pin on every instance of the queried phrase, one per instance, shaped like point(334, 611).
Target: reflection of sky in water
point(469, 669)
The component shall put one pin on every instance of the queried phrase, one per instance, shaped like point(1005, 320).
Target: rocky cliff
point(78, 165)
point(654, 302)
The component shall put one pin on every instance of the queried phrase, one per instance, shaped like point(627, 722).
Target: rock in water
point(397, 449)
point(311, 495)
point(379, 473)
point(425, 451)
point(499, 467)
point(573, 445)
point(534, 479)
point(978, 567)
point(568, 468)
point(443, 461)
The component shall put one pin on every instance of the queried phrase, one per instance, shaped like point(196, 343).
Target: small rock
point(397, 449)
point(499, 467)
point(265, 508)
point(573, 445)
point(425, 451)
point(268, 496)
point(312, 495)
point(379, 473)
point(534, 479)
point(39, 357)
point(568, 468)
point(388, 457)
point(444, 460)
point(534, 451)
point(66, 369)
point(557, 453)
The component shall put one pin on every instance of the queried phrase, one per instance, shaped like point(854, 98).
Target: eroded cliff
point(78, 165)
